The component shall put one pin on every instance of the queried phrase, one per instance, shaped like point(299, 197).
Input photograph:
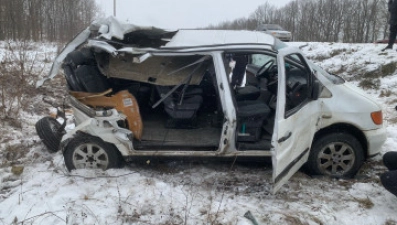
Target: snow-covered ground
point(176, 192)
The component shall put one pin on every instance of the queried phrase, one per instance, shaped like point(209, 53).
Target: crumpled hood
point(362, 93)
point(103, 30)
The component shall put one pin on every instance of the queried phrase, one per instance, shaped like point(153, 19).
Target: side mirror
point(316, 89)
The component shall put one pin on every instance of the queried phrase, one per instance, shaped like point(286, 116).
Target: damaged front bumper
point(100, 123)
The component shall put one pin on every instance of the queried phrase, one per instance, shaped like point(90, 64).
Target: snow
point(190, 192)
point(189, 38)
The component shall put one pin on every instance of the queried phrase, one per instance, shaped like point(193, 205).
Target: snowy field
point(176, 192)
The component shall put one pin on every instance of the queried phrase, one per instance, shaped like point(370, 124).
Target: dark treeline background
point(44, 20)
point(349, 21)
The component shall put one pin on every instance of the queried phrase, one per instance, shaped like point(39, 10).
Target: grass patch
point(12, 122)
point(319, 57)
point(392, 120)
point(370, 84)
point(372, 74)
point(390, 222)
point(336, 52)
point(384, 70)
point(365, 202)
point(393, 101)
point(289, 219)
point(385, 93)
point(12, 154)
point(388, 69)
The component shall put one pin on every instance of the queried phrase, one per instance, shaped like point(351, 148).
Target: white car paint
point(339, 104)
point(353, 106)
point(298, 129)
point(188, 38)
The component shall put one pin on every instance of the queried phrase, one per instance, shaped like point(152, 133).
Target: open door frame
point(293, 135)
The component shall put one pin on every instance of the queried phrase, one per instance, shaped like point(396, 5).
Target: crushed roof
point(189, 38)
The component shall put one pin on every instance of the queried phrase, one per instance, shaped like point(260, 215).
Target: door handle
point(285, 137)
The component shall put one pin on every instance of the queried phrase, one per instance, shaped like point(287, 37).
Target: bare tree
point(322, 20)
point(52, 20)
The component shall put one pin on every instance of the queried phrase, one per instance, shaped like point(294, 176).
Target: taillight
point(377, 117)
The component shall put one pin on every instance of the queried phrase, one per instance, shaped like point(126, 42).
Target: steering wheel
point(294, 93)
point(265, 68)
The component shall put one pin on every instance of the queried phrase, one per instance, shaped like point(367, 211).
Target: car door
point(295, 123)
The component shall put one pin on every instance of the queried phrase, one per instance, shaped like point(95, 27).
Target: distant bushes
point(20, 68)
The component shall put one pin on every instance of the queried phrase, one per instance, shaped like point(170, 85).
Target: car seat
point(251, 116)
point(81, 72)
point(181, 104)
point(247, 93)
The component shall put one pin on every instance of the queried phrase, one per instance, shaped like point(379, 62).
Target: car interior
point(177, 96)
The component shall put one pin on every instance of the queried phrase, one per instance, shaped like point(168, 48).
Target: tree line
point(348, 21)
point(44, 20)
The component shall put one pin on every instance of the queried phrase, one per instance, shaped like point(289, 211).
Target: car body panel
point(143, 62)
point(339, 108)
point(107, 29)
point(188, 38)
point(292, 135)
point(375, 139)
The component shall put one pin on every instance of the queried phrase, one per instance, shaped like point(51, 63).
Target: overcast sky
point(182, 13)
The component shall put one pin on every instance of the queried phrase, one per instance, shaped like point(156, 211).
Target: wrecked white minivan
point(143, 92)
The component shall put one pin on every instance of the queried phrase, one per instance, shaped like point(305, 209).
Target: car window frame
point(305, 66)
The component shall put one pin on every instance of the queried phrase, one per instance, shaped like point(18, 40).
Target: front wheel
point(91, 152)
point(335, 155)
point(50, 132)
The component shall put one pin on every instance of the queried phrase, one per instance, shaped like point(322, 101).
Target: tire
point(91, 152)
point(49, 132)
point(338, 155)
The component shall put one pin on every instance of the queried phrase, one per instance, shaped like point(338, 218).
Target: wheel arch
point(347, 128)
point(65, 143)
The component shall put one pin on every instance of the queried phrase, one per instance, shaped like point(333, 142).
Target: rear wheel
point(335, 155)
point(91, 152)
point(49, 131)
